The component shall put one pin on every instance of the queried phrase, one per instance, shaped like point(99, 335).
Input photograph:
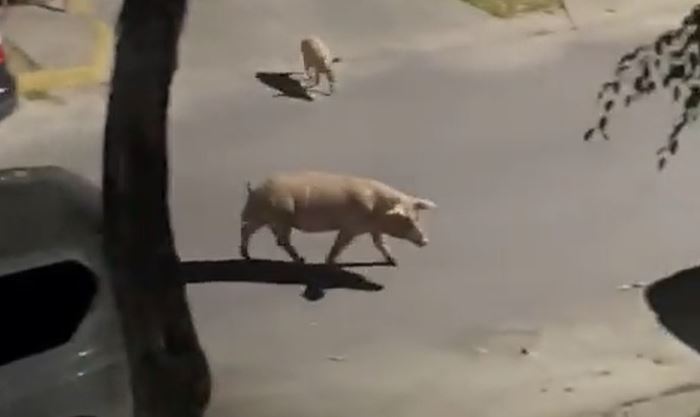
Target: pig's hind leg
point(383, 247)
point(283, 235)
point(247, 230)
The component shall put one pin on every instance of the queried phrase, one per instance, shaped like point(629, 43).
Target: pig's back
point(324, 201)
point(313, 48)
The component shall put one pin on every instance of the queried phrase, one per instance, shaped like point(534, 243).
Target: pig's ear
point(397, 210)
point(423, 204)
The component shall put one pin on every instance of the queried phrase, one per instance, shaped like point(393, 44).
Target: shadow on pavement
point(285, 84)
point(316, 277)
point(676, 302)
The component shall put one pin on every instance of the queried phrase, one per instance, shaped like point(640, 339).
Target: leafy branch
point(671, 62)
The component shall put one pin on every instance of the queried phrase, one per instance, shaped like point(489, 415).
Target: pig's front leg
point(331, 82)
point(312, 78)
point(342, 241)
point(283, 235)
point(381, 245)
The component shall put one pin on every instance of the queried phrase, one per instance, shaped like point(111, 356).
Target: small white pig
point(317, 57)
point(313, 201)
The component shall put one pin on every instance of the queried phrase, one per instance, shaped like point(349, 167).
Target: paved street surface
point(513, 308)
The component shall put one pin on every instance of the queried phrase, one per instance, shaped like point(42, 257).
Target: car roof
point(46, 210)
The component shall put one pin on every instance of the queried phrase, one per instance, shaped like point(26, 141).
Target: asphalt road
point(533, 225)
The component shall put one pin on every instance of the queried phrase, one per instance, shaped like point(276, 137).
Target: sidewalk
point(672, 405)
point(592, 12)
point(51, 39)
point(586, 15)
point(49, 50)
point(681, 402)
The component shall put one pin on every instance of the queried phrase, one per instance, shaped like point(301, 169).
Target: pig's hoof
point(392, 262)
point(301, 260)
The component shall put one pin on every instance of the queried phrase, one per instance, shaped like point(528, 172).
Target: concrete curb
point(586, 12)
point(96, 71)
point(663, 15)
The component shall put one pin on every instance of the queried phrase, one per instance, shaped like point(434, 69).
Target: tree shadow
point(285, 84)
point(676, 302)
point(317, 277)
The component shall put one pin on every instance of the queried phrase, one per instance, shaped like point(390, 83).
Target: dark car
point(8, 86)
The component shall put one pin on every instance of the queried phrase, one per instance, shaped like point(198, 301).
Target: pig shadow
point(676, 302)
point(285, 84)
point(316, 277)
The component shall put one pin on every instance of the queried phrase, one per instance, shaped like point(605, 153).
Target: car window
point(41, 308)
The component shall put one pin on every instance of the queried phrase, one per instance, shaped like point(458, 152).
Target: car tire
point(7, 106)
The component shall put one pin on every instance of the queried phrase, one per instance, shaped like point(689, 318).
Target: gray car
point(62, 352)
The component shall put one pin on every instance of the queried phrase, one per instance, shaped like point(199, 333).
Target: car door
point(63, 354)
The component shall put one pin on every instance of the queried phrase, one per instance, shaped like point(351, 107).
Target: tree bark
point(168, 369)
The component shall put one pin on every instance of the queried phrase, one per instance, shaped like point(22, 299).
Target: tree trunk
point(168, 370)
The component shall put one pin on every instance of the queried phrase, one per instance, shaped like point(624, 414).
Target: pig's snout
point(420, 242)
point(417, 237)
